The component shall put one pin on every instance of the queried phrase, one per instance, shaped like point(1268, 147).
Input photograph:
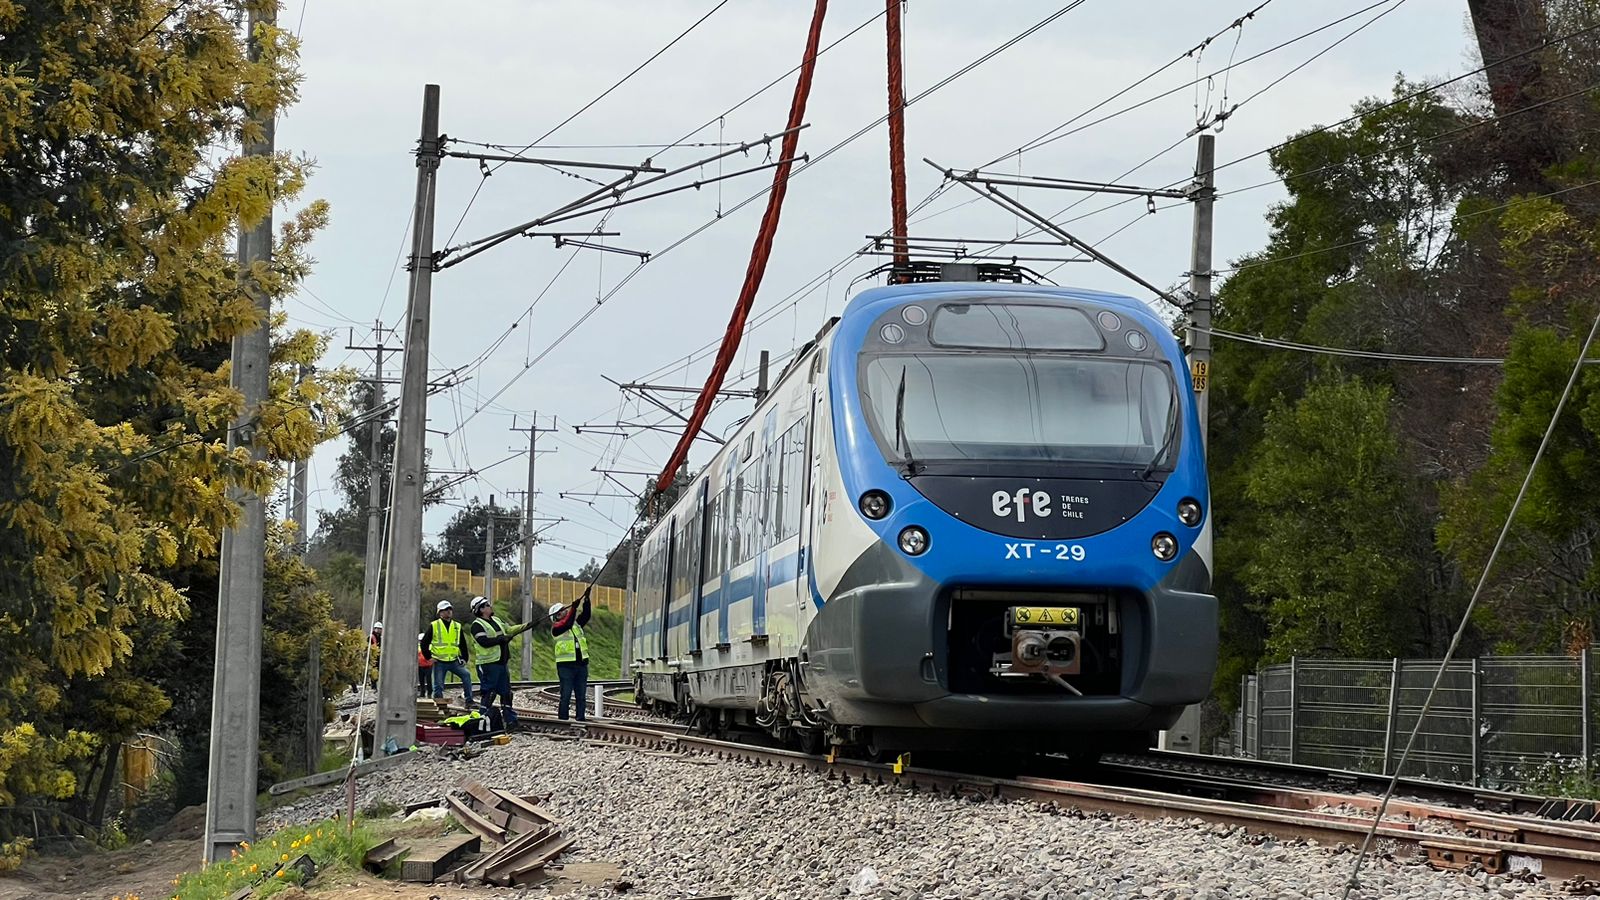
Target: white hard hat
point(443, 605)
point(480, 601)
point(555, 609)
point(377, 626)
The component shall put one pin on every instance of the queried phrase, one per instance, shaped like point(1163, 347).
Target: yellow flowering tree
point(121, 191)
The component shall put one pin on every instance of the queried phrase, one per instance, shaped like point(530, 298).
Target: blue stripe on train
point(717, 602)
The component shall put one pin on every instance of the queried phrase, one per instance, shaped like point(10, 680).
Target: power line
point(1466, 614)
point(813, 161)
point(1367, 240)
point(1051, 137)
point(1237, 23)
point(1414, 144)
point(1409, 97)
point(583, 109)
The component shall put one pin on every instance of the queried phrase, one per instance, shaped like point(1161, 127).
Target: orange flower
point(283, 858)
point(254, 867)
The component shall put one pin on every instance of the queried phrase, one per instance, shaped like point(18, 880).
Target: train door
point(699, 524)
point(669, 538)
point(766, 493)
point(807, 529)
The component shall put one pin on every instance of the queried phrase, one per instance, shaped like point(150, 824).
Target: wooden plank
point(337, 775)
point(475, 823)
point(432, 858)
point(527, 807)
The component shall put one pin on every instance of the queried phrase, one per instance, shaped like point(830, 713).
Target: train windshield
point(1000, 406)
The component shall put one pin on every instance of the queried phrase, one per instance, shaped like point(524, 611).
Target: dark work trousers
point(574, 680)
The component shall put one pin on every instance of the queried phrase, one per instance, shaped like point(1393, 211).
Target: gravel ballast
point(686, 827)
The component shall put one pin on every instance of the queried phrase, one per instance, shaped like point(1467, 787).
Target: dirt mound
point(188, 825)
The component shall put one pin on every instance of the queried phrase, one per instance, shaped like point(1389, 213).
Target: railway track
point(1447, 836)
point(1226, 774)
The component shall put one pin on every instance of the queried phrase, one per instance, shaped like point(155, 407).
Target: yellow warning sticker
point(1044, 615)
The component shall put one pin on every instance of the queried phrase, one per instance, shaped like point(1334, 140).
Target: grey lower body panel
point(727, 687)
point(877, 655)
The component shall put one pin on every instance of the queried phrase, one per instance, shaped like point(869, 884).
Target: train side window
point(772, 495)
point(749, 502)
point(736, 521)
point(792, 477)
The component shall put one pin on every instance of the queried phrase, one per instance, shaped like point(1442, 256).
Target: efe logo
point(1020, 503)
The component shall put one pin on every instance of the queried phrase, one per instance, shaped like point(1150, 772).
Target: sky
point(509, 72)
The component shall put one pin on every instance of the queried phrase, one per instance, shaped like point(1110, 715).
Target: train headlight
point(875, 504)
point(1189, 511)
point(913, 540)
point(1164, 546)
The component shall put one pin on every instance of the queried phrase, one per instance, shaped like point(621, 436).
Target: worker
point(571, 652)
point(377, 635)
point(447, 650)
point(424, 666)
point(491, 654)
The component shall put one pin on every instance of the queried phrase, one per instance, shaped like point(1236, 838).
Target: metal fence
point(1496, 721)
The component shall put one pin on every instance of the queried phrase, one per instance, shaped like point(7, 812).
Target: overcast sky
point(510, 71)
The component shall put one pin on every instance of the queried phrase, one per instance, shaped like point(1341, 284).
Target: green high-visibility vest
point(569, 642)
point(491, 653)
point(446, 646)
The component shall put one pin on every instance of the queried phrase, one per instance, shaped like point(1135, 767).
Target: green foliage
point(119, 298)
point(1329, 477)
point(465, 537)
point(265, 868)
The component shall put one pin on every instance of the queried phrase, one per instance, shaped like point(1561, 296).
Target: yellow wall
point(545, 590)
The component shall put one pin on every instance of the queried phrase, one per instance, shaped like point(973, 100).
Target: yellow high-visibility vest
point(569, 642)
point(446, 646)
point(491, 653)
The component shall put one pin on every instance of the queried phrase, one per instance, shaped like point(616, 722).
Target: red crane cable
point(897, 133)
point(759, 255)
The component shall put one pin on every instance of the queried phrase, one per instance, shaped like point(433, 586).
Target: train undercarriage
point(779, 708)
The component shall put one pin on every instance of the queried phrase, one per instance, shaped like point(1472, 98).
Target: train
point(969, 516)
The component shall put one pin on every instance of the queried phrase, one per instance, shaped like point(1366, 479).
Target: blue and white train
point(968, 513)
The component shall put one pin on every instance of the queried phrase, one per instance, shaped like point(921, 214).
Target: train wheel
point(810, 741)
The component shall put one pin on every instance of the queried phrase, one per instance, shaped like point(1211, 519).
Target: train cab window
point(1021, 406)
point(1015, 326)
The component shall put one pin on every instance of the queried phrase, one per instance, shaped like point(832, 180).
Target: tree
point(1339, 559)
point(344, 530)
point(464, 539)
point(119, 298)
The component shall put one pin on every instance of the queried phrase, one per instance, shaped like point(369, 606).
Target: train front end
point(1015, 534)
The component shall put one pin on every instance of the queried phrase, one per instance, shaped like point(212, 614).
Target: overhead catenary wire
point(1466, 614)
point(583, 109)
point(810, 163)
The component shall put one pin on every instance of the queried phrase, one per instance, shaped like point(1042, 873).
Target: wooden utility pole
point(396, 725)
point(236, 680)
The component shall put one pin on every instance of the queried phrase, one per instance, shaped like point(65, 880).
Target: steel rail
point(1493, 841)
